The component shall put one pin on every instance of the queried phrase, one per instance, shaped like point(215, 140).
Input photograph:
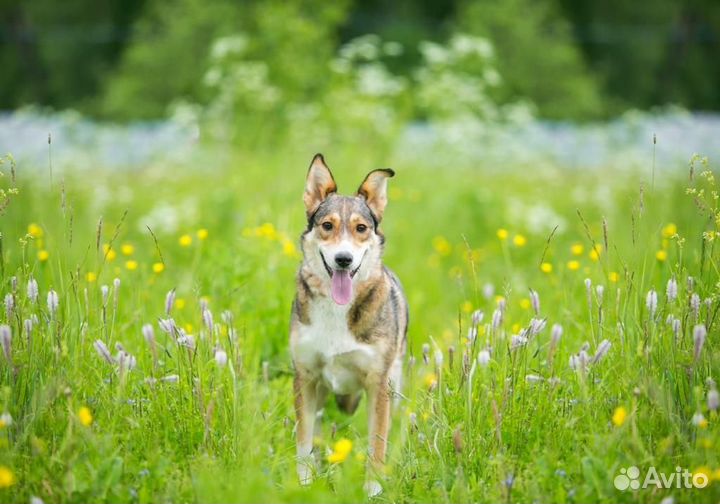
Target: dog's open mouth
point(340, 282)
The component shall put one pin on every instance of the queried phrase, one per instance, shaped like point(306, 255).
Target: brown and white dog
point(349, 318)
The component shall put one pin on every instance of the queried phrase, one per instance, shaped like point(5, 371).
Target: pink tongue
point(341, 286)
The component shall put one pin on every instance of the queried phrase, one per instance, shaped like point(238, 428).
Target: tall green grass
point(525, 427)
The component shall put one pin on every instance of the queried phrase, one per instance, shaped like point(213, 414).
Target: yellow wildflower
point(43, 255)
point(669, 230)
point(614, 276)
point(499, 299)
point(442, 246)
point(341, 450)
point(180, 303)
point(430, 380)
point(594, 253)
point(188, 327)
point(131, 265)
point(546, 267)
point(202, 233)
point(35, 231)
point(91, 276)
point(519, 240)
point(619, 416)
point(573, 265)
point(158, 267)
point(702, 474)
point(108, 252)
point(85, 416)
point(127, 249)
point(7, 477)
point(577, 249)
point(289, 248)
point(515, 328)
point(467, 307)
point(185, 240)
point(502, 234)
point(661, 255)
point(267, 230)
point(525, 303)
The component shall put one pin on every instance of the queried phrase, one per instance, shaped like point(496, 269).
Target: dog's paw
point(372, 488)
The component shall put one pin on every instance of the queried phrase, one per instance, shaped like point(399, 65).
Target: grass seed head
point(699, 334)
point(535, 301)
point(651, 301)
point(6, 341)
point(602, 350)
point(169, 301)
point(477, 317)
point(32, 290)
point(53, 301)
point(695, 305)
point(671, 291)
point(148, 333)
point(426, 353)
point(483, 358)
point(221, 357)
point(9, 305)
point(713, 399)
point(103, 351)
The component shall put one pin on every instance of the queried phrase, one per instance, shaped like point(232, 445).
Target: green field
point(524, 426)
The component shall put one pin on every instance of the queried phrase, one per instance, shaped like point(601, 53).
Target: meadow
point(563, 327)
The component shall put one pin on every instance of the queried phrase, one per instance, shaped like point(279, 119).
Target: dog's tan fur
point(345, 349)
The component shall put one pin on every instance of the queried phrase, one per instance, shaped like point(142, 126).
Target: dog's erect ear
point(374, 190)
point(319, 184)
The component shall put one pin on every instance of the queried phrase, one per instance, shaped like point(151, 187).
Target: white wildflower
point(32, 290)
point(671, 291)
point(483, 358)
point(52, 301)
point(651, 301)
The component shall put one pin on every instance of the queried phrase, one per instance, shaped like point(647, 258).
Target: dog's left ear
point(374, 190)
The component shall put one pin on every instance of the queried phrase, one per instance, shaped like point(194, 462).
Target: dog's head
point(343, 238)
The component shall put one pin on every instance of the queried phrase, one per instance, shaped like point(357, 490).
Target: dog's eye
point(327, 226)
point(361, 228)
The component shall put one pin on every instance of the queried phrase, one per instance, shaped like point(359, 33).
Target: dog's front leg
point(378, 426)
point(305, 409)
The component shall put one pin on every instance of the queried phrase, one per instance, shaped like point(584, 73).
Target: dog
point(348, 329)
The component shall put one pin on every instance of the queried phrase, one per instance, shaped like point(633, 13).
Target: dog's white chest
point(327, 348)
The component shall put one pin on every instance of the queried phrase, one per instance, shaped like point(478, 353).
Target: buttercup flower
point(519, 240)
point(341, 450)
point(7, 477)
point(619, 416)
point(85, 416)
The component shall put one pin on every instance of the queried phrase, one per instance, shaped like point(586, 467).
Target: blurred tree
point(171, 46)
point(651, 54)
point(56, 53)
point(536, 55)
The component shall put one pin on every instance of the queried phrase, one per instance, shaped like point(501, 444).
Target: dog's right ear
point(319, 185)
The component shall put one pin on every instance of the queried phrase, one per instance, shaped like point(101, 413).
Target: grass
point(526, 427)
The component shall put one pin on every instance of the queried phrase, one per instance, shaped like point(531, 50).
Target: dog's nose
point(343, 259)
